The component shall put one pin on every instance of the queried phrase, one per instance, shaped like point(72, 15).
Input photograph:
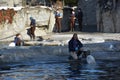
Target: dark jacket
point(72, 47)
point(17, 41)
point(33, 22)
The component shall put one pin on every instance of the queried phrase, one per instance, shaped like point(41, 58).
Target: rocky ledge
point(55, 46)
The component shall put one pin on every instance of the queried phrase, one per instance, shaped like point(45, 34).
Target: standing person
point(72, 21)
point(80, 18)
point(17, 40)
point(32, 28)
point(58, 18)
point(74, 46)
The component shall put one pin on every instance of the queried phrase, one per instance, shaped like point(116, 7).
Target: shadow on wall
point(89, 28)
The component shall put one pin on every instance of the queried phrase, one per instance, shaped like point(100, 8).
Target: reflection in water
point(74, 68)
point(82, 71)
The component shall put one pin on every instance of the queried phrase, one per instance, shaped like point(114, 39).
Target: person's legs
point(30, 33)
point(74, 55)
point(72, 25)
point(59, 25)
point(80, 24)
point(56, 24)
point(79, 53)
point(33, 32)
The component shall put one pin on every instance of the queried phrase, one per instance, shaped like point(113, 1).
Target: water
point(60, 70)
point(54, 67)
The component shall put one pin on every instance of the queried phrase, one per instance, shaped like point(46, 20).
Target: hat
point(31, 17)
point(17, 34)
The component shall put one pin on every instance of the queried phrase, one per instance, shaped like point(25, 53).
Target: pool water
point(55, 68)
point(60, 70)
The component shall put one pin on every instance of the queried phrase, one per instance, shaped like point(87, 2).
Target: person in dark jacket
point(17, 40)
point(80, 18)
point(75, 45)
point(32, 28)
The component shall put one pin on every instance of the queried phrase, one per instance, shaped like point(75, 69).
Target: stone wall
point(108, 15)
point(44, 17)
point(105, 14)
point(88, 21)
point(10, 3)
point(94, 17)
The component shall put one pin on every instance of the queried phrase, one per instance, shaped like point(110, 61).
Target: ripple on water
point(103, 70)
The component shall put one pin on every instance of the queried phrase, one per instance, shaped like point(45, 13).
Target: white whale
point(90, 59)
point(12, 44)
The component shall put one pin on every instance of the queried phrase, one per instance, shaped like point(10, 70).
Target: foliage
point(70, 2)
point(7, 15)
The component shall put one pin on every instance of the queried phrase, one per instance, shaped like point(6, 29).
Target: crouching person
point(17, 40)
point(75, 47)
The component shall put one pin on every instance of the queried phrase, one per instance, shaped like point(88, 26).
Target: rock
point(44, 42)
